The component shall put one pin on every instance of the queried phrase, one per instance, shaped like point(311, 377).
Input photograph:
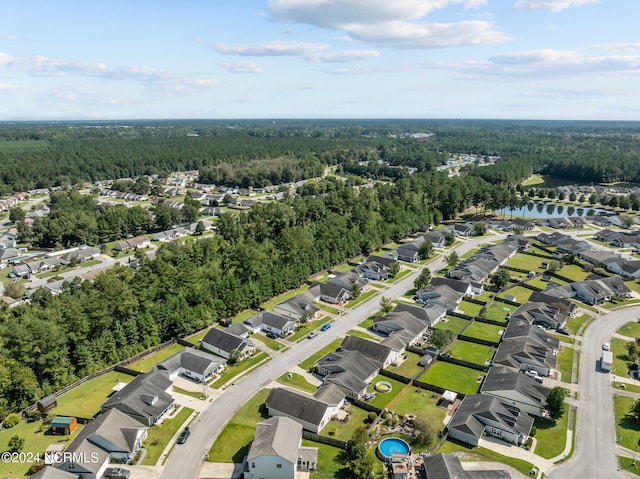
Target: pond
point(548, 210)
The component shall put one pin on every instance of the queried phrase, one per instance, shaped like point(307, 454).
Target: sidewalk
point(544, 465)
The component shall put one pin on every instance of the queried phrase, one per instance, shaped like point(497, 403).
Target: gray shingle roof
point(503, 378)
point(277, 436)
point(376, 352)
point(53, 473)
point(225, 341)
point(297, 405)
point(192, 359)
point(445, 466)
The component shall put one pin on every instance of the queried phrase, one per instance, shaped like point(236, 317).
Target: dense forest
point(43, 155)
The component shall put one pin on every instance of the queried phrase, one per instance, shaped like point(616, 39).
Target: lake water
point(538, 210)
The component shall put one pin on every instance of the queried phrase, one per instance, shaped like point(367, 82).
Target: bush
point(12, 420)
point(372, 416)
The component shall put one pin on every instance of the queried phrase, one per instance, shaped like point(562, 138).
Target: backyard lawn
point(422, 403)
point(472, 352)
point(498, 311)
point(409, 367)
point(627, 426)
point(485, 331)
point(486, 455)
point(382, 399)
point(231, 371)
point(565, 363)
point(521, 294)
point(452, 324)
point(551, 436)
point(526, 261)
point(573, 272)
point(35, 442)
point(313, 359)
point(233, 442)
point(472, 309)
point(86, 399)
point(146, 364)
point(344, 430)
point(284, 296)
point(297, 381)
point(158, 437)
point(453, 377)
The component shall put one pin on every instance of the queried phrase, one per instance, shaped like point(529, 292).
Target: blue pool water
point(393, 445)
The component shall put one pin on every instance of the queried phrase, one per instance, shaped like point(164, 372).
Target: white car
point(532, 374)
point(606, 347)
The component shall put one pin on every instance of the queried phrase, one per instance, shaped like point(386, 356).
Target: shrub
point(12, 420)
point(372, 416)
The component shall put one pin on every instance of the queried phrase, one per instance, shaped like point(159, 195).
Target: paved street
point(185, 462)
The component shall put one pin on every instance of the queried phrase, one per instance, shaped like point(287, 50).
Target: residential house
point(526, 225)
point(299, 307)
point(518, 328)
point(429, 314)
point(625, 268)
point(145, 399)
point(192, 363)
point(386, 259)
point(525, 354)
point(438, 238)
point(380, 355)
point(541, 313)
point(460, 229)
point(599, 220)
point(132, 243)
point(8, 254)
point(481, 414)
point(606, 235)
point(566, 307)
point(80, 255)
point(276, 451)
point(410, 252)
point(310, 411)
point(222, 343)
point(271, 322)
point(442, 295)
point(330, 293)
point(446, 466)
point(351, 371)
point(372, 270)
point(512, 387)
point(112, 437)
point(402, 329)
point(626, 241)
point(347, 280)
point(54, 473)
point(554, 238)
point(598, 257)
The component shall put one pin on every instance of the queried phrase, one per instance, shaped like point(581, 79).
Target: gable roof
point(459, 286)
point(376, 352)
point(225, 341)
point(429, 314)
point(297, 405)
point(300, 304)
point(515, 351)
point(350, 370)
point(446, 466)
point(53, 473)
point(193, 360)
point(519, 328)
point(503, 378)
point(277, 436)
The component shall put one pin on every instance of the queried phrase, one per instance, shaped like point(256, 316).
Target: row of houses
point(621, 239)
point(55, 260)
point(122, 195)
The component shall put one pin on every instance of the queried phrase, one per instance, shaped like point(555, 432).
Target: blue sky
point(117, 59)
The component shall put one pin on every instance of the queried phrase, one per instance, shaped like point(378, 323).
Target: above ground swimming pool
point(392, 445)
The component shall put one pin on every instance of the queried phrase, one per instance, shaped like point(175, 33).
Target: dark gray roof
point(503, 378)
point(429, 314)
point(277, 436)
point(192, 359)
point(512, 352)
point(459, 286)
point(144, 398)
point(564, 305)
point(297, 405)
point(300, 304)
point(276, 320)
point(332, 290)
point(53, 473)
point(518, 328)
point(376, 352)
point(329, 394)
point(385, 259)
point(446, 466)
point(225, 341)
point(348, 369)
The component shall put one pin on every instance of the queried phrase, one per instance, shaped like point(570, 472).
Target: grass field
point(423, 404)
point(409, 367)
point(158, 437)
point(533, 180)
point(574, 324)
point(297, 381)
point(363, 334)
point(452, 324)
point(486, 455)
point(233, 442)
point(399, 276)
point(551, 436)
point(453, 377)
point(472, 309)
point(621, 363)
point(565, 363)
point(234, 370)
point(313, 359)
point(362, 298)
point(283, 297)
point(573, 272)
point(631, 330)
point(145, 365)
point(382, 399)
point(472, 352)
point(498, 311)
point(344, 430)
point(627, 427)
point(526, 261)
point(626, 464)
point(270, 343)
point(485, 331)
point(521, 294)
point(86, 399)
point(627, 387)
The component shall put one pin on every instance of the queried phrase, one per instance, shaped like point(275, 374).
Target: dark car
point(271, 335)
point(182, 438)
point(563, 331)
point(116, 473)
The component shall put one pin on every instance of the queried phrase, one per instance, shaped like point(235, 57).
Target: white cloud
point(242, 67)
point(6, 87)
point(429, 35)
point(392, 24)
point(315, 52)
point(552, 5)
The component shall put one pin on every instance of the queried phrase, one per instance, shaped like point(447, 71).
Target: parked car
point(538, 379)
point(116, 473)
point(563, 331)
point(606, 346)
point(325, 326)
point(271, 335)
point(182, 438)
point(532, 374)
point(313, 334)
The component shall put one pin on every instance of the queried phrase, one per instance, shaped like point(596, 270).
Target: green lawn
point(145, 365)
point(565, 363)
point(362, 334)
point(409, 367)
point(193, 394)
point(367, 323)
point(283, 297)
point(521, 294)
point(472, 352)
point(399, 276)
point(621, 363)
point(328, 309)
point(233, 442)
point(472, 309)
point(538, 282)
point(362, 298)
point(382, 399)
point(234, 370)
point(533, 180)
point(486, 455)
point(86, 399)
point(573, 272)
point(633, 285)
point(485, 331)
point(627, 427)
point(196, 338)
point(498, 311)
point(453, 377)
point(304, 329)
point(297, 381)
point(313, 359)
point(574, 324)
point(627, 387)
point(452, 324)
point(329, 466)
point(526, 261)
point(158, 437)
point(551, 436)
point(626, 464)
point(618, 303)
point(344, 430)
point(422, 403)
point(270, 343)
